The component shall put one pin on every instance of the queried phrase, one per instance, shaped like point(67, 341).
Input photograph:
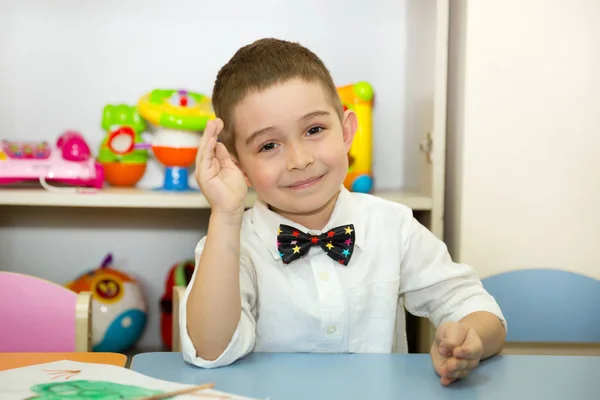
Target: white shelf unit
point(401, 48)
point(138, 198)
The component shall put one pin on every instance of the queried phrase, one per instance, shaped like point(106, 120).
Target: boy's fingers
point(440, 334)
point(445, 349)
point(459, 374)
point(465, 365)
point(454, 338)
point(453, 365)
point(222, 154)
point(448, 345)
point(208, 142)
point(209, 153)
point(471, 348)
point(208, 132)
point(440, 365)
point(218, 126)
point(440, 340)
point(466, 352)
point(448, 376)
point(446, 381)
point(210, 126)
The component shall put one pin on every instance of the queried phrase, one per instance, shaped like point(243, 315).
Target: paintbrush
point(177, 392)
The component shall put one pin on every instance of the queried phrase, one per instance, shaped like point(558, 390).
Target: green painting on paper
point(88, 390)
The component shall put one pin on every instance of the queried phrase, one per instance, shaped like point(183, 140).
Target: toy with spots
point(358, 97)
point(180, 274)
point(119, 308)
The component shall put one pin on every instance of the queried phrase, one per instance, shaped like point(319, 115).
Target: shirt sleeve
point(437, 288)
point(242, 341)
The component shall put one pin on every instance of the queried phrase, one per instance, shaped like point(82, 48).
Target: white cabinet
point(62, 61)
point(523, 178)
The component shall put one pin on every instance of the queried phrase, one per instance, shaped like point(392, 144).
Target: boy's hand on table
point(456, 351)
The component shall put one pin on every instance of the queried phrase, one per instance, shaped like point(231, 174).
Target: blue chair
point(548, 311)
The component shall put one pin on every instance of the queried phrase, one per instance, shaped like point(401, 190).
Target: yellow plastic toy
point(358, 97)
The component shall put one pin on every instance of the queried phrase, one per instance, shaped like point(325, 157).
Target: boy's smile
point(293, 148)
point(306, 183)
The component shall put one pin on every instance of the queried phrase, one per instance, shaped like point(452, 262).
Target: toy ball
point(119, 309)
point(362, 184)
point(359, 181)
point(180, 274)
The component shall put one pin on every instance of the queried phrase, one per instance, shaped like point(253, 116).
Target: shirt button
point(331, 329)
point(324, 276)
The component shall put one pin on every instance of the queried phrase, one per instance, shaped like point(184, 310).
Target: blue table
point(383, 376)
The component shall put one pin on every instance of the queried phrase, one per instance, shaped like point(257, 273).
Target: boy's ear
point(349, 125)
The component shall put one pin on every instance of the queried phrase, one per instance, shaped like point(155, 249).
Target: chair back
point(548, 305)
point(37, 315)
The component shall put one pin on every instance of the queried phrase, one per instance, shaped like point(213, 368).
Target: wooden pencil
point(177, 392)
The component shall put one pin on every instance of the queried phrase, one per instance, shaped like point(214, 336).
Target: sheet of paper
point(80, 381)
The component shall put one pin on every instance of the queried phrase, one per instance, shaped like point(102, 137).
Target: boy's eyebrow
point(311, 115)
point(258, 134)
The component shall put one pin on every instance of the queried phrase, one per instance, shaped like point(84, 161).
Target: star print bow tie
point(338, 243)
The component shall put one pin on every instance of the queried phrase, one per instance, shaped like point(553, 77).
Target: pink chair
point(41, 316)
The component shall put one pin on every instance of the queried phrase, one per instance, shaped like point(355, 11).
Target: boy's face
point(292, 146)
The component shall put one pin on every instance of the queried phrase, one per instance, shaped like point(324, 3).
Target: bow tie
point(338, 243)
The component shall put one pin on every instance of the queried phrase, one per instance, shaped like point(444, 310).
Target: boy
point(312, 267)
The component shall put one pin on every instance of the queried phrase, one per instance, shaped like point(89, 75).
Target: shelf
point(137, 198)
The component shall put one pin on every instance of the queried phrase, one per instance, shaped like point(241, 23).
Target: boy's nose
point(298, 157)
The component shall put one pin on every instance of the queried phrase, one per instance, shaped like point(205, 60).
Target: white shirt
point(314, 304)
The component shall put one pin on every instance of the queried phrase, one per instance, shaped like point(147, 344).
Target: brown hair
point(260, 65)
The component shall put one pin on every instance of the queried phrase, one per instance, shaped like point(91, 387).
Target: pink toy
point(42, 316)
point(70, 162)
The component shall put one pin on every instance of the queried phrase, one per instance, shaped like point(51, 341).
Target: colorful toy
point(180, 117)
point(119, 308)
point(180, 274)
point(69, 161)
point(358, 97)
point(123, 152)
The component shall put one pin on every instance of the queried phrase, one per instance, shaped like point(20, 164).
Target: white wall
point(61, 61)
point(524, 190)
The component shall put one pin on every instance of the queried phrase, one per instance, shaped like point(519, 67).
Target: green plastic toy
point(123, 152)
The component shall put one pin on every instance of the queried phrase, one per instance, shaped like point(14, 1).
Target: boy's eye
point(268, 147)
point(315, 130)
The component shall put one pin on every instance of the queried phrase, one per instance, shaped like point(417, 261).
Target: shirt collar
point(345, 212)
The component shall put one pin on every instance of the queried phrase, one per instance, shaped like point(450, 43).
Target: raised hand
point(219, 178)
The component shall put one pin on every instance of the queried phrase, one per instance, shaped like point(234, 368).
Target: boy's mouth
point(306, 183)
